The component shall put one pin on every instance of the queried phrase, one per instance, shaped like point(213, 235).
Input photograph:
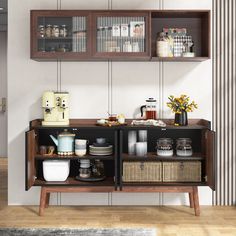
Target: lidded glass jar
point(184, 147)
point(98, 168)
point(48, 31)
point(63, 31)
point(85, 171)
point(41, 31)
point(165, 147)
point(55, 31)
point(162, 45)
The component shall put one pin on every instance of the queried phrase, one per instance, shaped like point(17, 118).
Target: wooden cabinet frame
point(35, 54)
point(33, 160)
point(198, 22)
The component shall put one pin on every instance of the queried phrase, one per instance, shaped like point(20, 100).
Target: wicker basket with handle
point(142, 171)
point(187, 171)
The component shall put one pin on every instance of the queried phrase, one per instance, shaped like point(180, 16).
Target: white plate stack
point(100, 151)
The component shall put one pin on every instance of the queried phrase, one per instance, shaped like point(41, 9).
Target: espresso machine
point(55, 108)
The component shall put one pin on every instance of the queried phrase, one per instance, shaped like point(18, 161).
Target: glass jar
point(84, 173)
point(98, 168)
point(184, 147)
point(162, 45)
point(48, 31)
point(63, 31)
point(165, 147)
point(41, 31)
point(55, 31)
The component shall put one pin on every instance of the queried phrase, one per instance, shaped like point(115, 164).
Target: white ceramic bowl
point(56, 170)
point(80, 152)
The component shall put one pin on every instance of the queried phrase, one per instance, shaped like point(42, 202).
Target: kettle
point(64, 143)
point(150, 109)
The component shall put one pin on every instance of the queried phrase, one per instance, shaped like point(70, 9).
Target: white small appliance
point(55, 108)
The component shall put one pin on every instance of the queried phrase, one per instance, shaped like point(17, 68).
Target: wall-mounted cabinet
point(114, 35)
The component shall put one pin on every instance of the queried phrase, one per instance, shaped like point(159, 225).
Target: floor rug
point(77, 232)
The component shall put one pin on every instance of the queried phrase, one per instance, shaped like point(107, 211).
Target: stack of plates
point(100, 151)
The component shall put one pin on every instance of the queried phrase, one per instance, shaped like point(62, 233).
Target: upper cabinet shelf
point(116, 35)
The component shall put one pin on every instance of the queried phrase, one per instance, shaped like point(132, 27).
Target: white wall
point(133, 82)
point(3, 93)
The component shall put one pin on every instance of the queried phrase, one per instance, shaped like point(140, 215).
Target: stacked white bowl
point(81, 147)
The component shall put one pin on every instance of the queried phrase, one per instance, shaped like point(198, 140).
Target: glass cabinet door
point(118, 35)
point(62, 36)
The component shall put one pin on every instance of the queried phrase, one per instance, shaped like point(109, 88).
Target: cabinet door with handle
point(60, 35)
point(121, 34)
point(210, 158)
point(30, 161)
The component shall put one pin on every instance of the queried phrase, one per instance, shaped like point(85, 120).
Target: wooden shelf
point(148, 184)
point(109, 181)
point(73, 157)
point(91, 123)
point(55, 38)
point(180, 59)
point(151, 156)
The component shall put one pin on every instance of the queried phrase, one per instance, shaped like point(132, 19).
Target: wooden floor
point(168, 220)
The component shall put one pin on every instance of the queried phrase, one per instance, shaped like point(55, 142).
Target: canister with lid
point(48, 31)
point(184, 147)
point(41, 31)
point(165, 147)
point(63, 31)
point(55, 31)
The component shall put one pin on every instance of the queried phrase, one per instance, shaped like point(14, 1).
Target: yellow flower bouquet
point(181, 106)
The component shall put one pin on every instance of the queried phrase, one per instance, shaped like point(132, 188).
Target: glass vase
point(181, 119)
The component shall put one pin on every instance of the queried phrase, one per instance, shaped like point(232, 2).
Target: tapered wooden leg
point(47, 200)
point(42, 201)
point(191, 200)
point(196, 201)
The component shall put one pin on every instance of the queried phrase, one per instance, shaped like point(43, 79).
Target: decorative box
point(187, 171)
point(142, 171)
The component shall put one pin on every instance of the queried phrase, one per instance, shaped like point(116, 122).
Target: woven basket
point(142, 172)
point(187, 171)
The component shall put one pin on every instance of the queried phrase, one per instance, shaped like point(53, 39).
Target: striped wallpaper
point(224, 99)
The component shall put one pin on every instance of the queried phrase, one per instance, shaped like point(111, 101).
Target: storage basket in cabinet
point(142, 172)
point(187, 171)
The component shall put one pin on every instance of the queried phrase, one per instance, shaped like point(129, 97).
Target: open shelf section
point(151, 156)
point(73, 157)
point(197, 24)
point(109, 181)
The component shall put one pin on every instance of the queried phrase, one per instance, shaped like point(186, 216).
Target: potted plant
point(181, 106)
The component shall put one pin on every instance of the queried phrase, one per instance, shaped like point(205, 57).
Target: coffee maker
point(55, 108)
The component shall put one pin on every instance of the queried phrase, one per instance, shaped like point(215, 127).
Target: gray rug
point(77, 232)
